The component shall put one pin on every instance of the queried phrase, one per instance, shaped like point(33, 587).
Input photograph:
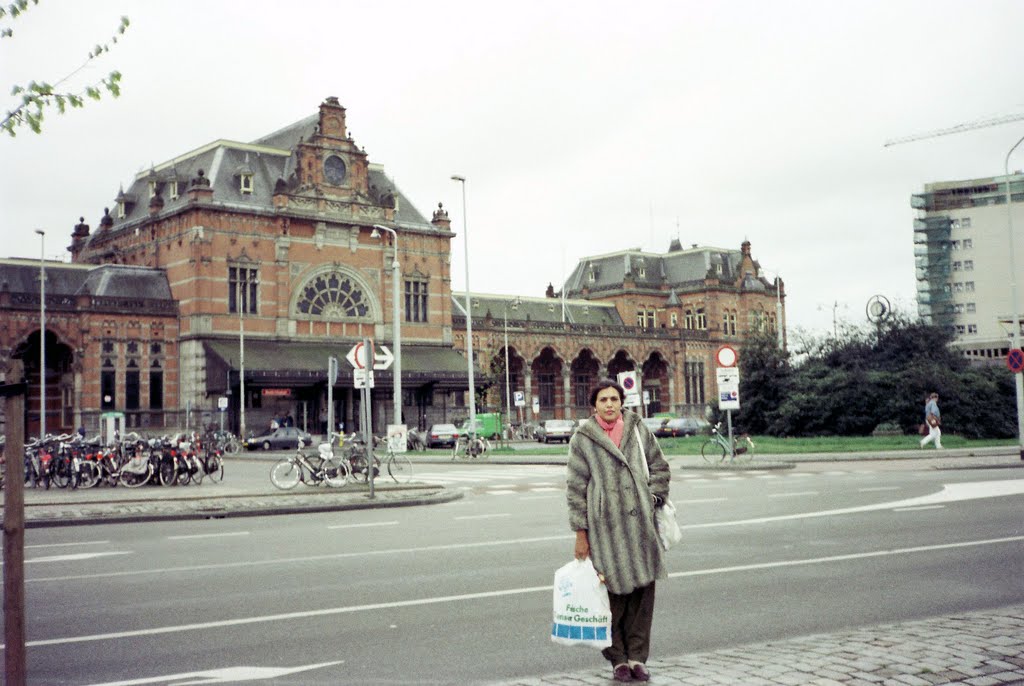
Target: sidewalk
point(977, 649)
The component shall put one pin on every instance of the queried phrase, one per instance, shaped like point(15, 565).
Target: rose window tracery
point(332, 296)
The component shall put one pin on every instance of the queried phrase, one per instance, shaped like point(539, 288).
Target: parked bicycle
point(718, 447)
point(323, 468)
point(470, 447)
point(397, 465)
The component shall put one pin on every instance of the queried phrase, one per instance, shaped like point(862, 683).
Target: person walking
point(611, 509)
point(933, 419)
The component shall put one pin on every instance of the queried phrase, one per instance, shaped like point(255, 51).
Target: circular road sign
point(726, 356)
point(1015, 360)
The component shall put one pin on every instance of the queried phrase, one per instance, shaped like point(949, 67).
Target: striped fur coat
point(610, 497)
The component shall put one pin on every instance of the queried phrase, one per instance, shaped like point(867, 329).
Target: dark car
point(282, 438)
point(686, 426)
point(657, 426)
point(555, 430)
point(442, 436)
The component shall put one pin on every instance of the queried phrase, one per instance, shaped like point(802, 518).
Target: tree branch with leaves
point(36, 97)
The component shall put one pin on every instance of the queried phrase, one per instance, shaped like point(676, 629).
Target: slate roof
point(22, 276)
point(547, 310)
point(269, 158)
point(681, 270)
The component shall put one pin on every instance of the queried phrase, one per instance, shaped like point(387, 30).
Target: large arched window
point(333, 295)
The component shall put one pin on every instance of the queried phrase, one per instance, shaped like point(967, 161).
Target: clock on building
point(334, 170)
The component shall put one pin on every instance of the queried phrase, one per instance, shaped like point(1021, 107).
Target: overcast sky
point(581, 127)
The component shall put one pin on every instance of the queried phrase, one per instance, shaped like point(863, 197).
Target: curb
point(224, 507)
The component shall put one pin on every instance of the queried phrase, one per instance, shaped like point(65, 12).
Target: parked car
point(442, 436)
point(555, 430)
point(281, 438)
point(687, 426)
point(658, 427)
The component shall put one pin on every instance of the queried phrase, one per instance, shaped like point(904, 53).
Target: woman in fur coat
point(611, 509)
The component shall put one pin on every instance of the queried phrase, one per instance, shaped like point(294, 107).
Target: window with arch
point(333, 295)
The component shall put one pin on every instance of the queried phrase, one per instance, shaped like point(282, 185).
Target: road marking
point(486, 516)
point(359, 526)
point(500, 492)
point(228, 675)
point(919, 507)
point(62, 545)
point(435, 600)
point(950, 493)
point(879, 488)
point(185, 537)
point(794, 494)
point(697, 501)
point(74, 557)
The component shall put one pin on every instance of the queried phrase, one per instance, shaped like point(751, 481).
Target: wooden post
point(14, 527)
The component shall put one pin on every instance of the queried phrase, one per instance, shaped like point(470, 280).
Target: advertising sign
point(398, 437)
point(728, 388)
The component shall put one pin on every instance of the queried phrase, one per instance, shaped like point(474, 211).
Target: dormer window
point(174, 191)
point(641, 269)
point(152, 189)
point(121, 210)
point(593, 275)
point(245, 180)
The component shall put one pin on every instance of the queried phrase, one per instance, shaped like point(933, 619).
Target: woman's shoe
point(639, 672)
point(622, 673)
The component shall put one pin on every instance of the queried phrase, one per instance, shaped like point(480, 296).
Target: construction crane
point(959, 128)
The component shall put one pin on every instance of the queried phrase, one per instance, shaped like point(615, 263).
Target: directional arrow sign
point(357, 355)
point(382, 358)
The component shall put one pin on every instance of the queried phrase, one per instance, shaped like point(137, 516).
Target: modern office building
point(962, 258)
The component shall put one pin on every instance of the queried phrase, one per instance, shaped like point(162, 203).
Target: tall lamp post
point(377, 228)
point(508, 388)
point(42, 333)
point(1015, 337)
point(469, 311)
point(240, 299)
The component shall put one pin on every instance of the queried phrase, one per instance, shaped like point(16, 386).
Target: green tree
point(850, 385)
point(36, 97)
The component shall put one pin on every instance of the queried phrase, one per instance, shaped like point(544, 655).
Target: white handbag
point(665, 516)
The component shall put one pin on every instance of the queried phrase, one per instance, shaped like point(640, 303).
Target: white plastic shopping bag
point(583, 615)
point(667, 525)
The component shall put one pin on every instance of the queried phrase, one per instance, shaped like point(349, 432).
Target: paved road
point(966, 647)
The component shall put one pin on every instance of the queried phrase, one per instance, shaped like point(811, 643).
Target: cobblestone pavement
point(977, 649)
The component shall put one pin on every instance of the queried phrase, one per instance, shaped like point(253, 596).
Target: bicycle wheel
point(744, 450)
point(88, 475)
point(286, 474)
point(357, 467)
point(196, 469)
point(400, 469)
point(167, 472)
point(214, 468)
point(458, 449)
point(61, 476)
point(712, 451)
point(335, 472)
point(131, 479)
point(231, 447)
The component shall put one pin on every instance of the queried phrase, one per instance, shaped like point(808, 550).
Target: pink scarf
point(614, 430)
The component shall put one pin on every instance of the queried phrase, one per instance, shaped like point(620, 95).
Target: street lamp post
point(241, 363)
point(1018, 380)
point(469, 311)
point(508, 388)
point(377, 228)
point(42, 333)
